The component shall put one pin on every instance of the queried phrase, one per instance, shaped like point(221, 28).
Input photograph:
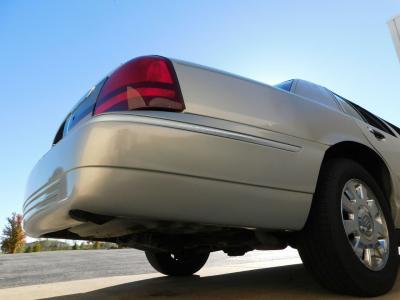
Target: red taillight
point(147, 82)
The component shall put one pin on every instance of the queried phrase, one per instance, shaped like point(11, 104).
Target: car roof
point(314, 92)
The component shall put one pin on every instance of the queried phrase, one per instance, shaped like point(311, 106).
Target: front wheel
point(183, 264)
point(349, 242)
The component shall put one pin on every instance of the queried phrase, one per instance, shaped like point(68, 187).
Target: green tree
point(75, 246)
point(13, 239)
point(37, 247)
point(85, 245)
point(96, 245)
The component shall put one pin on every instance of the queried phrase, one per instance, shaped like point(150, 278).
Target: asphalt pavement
point(59, 266)
point(125, 274)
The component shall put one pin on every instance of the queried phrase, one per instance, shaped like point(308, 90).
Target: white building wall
point(394, 26)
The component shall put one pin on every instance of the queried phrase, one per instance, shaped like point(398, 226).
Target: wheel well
point(366, 157)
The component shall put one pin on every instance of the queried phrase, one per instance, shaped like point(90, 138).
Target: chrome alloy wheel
point(365, 224)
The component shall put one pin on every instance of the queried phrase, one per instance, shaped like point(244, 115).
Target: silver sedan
point(180, 160)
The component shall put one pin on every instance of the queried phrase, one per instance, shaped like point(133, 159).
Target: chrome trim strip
point(40, 193)
point(38, 208)
point(40, 201)
point(207, 130)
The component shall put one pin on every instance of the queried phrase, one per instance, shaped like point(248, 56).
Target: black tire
point(323, 244)
point(184, 264)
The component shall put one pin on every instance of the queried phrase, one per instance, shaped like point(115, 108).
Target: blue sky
point(52, 52)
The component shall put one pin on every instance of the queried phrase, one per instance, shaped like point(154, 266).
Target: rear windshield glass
point(286, 85)
point(83, 110)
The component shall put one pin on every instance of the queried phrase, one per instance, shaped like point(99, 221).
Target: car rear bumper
point(143, 167)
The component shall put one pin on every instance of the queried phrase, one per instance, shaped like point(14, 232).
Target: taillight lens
point(147, 82)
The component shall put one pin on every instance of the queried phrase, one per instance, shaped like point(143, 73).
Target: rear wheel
point(349, 242)
point(183, 264)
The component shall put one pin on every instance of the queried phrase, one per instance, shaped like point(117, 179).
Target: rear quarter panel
point(220, 95)
point(229, 97)
point(225, 96)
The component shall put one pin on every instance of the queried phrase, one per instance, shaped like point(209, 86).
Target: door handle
point(379, 136)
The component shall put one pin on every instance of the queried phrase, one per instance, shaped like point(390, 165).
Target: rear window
point(286, 85)
point(81, 112)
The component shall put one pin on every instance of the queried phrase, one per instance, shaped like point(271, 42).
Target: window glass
point(84, 109)
point(286, 85)
point(394, 127)
point(317, 93)
point(348, 108)
point(372, 119)
point(59, 133)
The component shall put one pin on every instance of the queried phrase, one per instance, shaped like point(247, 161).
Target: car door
point(384, 139)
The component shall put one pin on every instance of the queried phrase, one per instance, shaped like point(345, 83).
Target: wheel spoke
point(348, 205)
point(380, 249)
point(368, 256)
point(373, 209)
point(380, 230)
point(350, 226)
point(362, 193)
point(349, 193)
point(353, 190)
point(359, 248)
